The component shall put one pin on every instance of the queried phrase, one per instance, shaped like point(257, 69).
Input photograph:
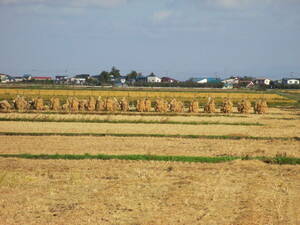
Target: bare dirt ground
point(126, 192)
point(146, 145)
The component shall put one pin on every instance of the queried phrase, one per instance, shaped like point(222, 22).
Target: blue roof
point(209, 79)
point(196, 79)
point(213, 80)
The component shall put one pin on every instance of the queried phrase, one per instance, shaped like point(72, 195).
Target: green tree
point(104, 77)
point(115, 72)
point(132, 75)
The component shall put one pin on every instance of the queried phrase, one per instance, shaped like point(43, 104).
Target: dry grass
point(124, 192)
point(147, 145)
point(278, 130)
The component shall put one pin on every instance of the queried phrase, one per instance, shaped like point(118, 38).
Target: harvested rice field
point(277, 130)
point(257, 180)
point(147, 146)
point(128, 192)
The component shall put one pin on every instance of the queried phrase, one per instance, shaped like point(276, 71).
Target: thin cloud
point(246, 3)
point(67, 3)
point(161, 15)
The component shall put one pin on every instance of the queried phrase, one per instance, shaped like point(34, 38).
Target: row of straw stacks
point(73, 104)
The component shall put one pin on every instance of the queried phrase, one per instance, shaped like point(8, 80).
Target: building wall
point(204, 81)
point(293, 81)
point(153, 79)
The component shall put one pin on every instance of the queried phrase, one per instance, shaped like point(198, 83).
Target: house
point(83, 76)
point(27, 77)
point(262, 81)
point(168, 80)
point(231, 81)
point(75, 80)
point(206, 80)
point(16, 79)
point(80, 79)
point(246, 83)
point(61, 79)
point(140, 79)
point(291, 81)
point(153, 79)
point(41, 78)
point(122, 79)
point(199, 80)
point(4, 78)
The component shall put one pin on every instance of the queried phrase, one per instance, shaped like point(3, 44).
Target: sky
point(176, 38)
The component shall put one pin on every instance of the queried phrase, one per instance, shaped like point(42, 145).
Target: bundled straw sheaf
point(161, 105)
point(244, 106)
point(20, 103)
point(194, 107)
point(124, 105)
point(227, 106)
point(176, 106)
point(210, 107)
point(260, 107)
point(100, 104)
point(91, 104)
point(55, 104)
point(4, 105)
point(110, 104)
point(144, 105)
point(38, 103)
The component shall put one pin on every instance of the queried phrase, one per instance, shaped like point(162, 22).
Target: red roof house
point(42, 78)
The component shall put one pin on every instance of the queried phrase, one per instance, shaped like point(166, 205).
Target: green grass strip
point(128, 121)
point(197, 159)
point(188, 136)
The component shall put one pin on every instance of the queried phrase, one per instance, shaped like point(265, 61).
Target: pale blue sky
point(178, 38)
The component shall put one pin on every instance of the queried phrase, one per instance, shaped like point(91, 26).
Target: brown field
point(62, 192)
point(65, 127)
point(147, 145)
point(123, 192)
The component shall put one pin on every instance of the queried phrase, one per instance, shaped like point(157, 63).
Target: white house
point(78, 80)
point(122, 79)
point(262, 81)
point(4, 78)
point(291, 81)
point(233, 80)
point(17, 79)
point(153, 79)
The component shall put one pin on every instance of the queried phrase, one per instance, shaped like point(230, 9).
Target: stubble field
point(60, 191)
